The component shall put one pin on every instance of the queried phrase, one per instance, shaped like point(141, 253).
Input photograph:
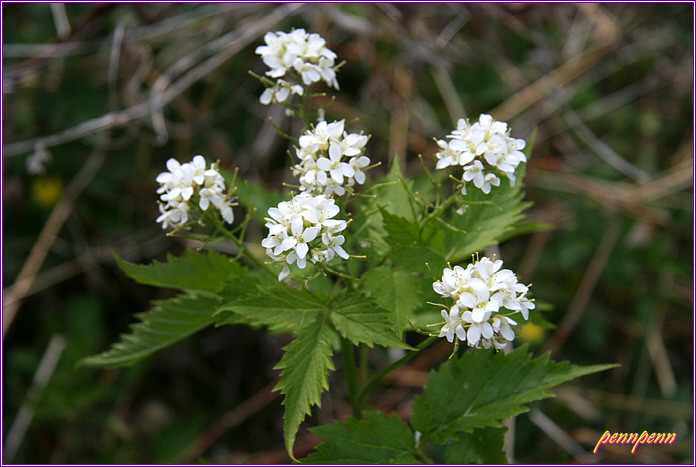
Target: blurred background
point(96, 97)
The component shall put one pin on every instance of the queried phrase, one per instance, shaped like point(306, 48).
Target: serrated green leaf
point(360, 321)
point(391, 194)
point(276, 305)
point(417, 259)
point(487, 218)
point(305, 366)
point(201, 272)
point(169, 321)
point(413, 244)
point(377, 439)
point(482, 446)
point(394, 290)
point(479, 389)
point(401, 231)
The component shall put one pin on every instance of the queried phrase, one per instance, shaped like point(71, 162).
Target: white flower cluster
point(186, 183)
point(295, 56)
point(481, 147)
point(480, 293)
point(331, 160)
point(304, 228)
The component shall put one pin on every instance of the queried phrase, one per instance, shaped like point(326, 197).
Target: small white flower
point(359, 163)
point(477, 329)
point(482, 292)
point(447, 156)
point(303, 228)
point(295, 56)
point(334, 166)
point(501, 325)
point(477, 299)
point(280, 92)
point(483, 149)
point(333, 244)
point(186, 182)
point(453, 325)
point(331, 160)
point(474, 172)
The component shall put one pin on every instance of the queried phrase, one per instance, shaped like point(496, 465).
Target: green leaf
point(481, 388)
point(305, 366)
point(207, 272)
point(360, 321)
point(394, 290)
point(482, 446)
point(377, 439)
point(413, 244)
point(169, 321)
point(391, 194)
point(257, 198)
point(276, 305)
point(387, 194)
point(488, 218)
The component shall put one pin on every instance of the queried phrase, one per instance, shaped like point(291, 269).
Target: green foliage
point(481, 446)
point(205, 273)
point(257, 198)
point(276, 305)
point(394, 290)
point(305, 366)
point(362, 322)
point(413, 244)
point(388, 194)
point(168, 322)
point(215, 112)
point(461, 407)
point(377, 439)
point(392, 192)
point(487, 219)
point(480, 388)
point(308, 358)
point(171, 320)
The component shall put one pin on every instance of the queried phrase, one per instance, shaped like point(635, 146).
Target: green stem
point(430, 176)
point(411, 198)
point(351, 376)
point(423, 455)
point(377, 378)
point(242, 246)
point(364, 354)
point(440, 209)
point(305, 112)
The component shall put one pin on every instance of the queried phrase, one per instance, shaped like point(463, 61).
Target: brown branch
point(239, 39)
point(13, 296)
point(229, 420)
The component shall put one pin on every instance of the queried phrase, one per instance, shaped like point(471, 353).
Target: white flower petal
point(473, 334)
point(301, 249)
